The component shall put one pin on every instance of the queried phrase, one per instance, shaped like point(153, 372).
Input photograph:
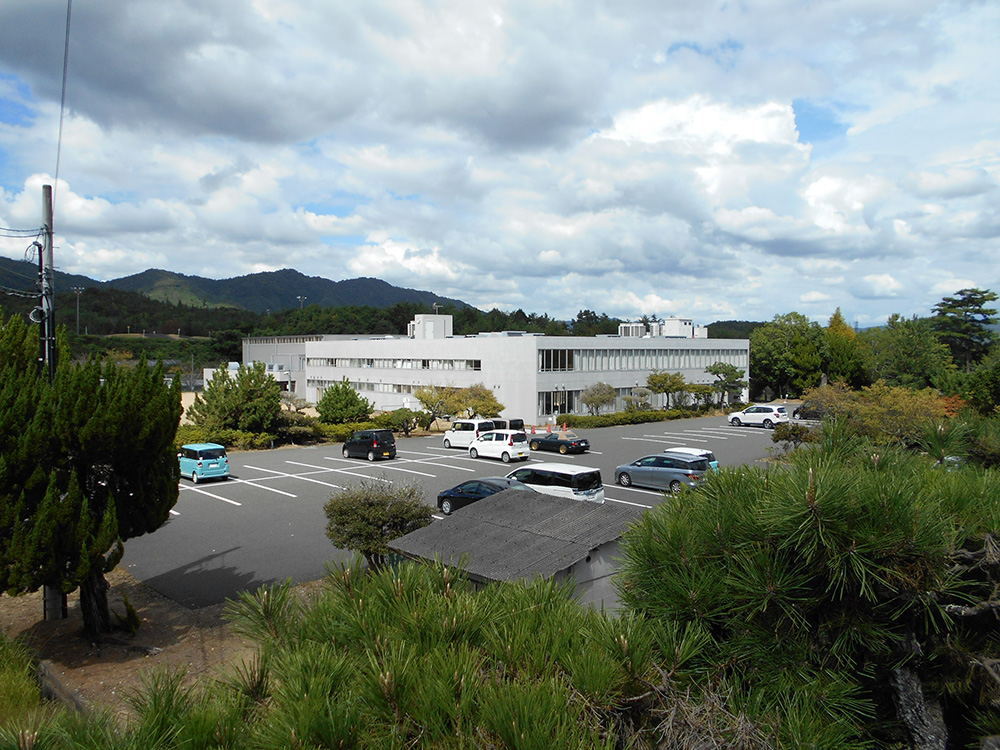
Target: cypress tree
point(86, 463)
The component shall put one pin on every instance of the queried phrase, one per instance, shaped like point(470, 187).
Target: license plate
point(385, 453)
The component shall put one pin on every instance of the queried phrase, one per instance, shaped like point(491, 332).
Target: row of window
point(602, 360)
point(397, 363)
point(364, 386)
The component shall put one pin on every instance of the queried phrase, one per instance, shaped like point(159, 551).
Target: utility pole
point(77, 290)
point(54, 605)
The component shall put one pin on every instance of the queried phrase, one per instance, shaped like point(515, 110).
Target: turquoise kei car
point(203, 461)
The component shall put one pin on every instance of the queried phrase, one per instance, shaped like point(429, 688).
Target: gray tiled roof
point(518, 534)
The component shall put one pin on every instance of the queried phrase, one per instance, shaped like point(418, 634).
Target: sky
point(717, 160)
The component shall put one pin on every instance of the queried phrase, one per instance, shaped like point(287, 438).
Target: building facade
point(536, 377)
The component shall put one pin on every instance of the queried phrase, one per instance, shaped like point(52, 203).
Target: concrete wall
point(594, 577)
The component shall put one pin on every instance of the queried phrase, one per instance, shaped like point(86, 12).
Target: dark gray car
point(370, 444)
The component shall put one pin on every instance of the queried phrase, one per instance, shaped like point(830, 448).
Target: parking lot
point(266, 522)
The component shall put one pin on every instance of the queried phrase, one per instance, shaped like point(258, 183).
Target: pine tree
point(963, 321)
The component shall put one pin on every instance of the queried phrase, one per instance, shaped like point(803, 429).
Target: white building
point(536, 377)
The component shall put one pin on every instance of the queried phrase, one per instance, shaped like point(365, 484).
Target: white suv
point(764, 415)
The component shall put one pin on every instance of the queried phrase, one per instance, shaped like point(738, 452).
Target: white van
point(464, 431)
point(564, 480)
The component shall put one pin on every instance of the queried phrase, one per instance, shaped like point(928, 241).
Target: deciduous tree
point(597, 396)
point(845, 356)
point(671, 384)
point(786, 355)
point(365, 517)
point(905, 352)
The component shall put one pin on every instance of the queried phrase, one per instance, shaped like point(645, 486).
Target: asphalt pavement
point(266, 523)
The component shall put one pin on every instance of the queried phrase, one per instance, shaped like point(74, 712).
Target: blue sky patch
point(351, 240)
point(816, 123)
point(14, 112)
point(724, 53)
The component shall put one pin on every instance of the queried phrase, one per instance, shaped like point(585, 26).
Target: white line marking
point(626, 502)
point(217, 497)
point(256, 482)
point(174, 512)
point(382, 466)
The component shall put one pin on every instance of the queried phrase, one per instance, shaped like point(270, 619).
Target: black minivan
point(370, 444)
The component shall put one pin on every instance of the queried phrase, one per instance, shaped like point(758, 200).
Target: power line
point(62, 99)
point(8, 232)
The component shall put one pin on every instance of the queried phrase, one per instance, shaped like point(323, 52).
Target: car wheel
point(505, 457)
point(446, 507)
point(563, 449)
point(534, 445)
point(624, 479)
point(768, 424)
point(675, 487)
point(194, 477)
point(735, 422)
point(371, 455)
point(473, 453)
point(346, 453)
point(447, 443)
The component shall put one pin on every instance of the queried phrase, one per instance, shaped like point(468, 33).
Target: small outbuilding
point(517, 534)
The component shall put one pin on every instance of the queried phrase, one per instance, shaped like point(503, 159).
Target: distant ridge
point(259, 292)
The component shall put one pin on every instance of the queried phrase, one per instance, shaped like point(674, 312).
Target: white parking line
point(174, 512)
point(683, 435)
point(303, 477)
point(388, 466)
point(328, 470)
point(254, 482)
point(661, 441)
point(217, 497)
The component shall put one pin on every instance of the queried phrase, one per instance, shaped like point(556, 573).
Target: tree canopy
point(365, 517)
point(86, 463)
point(341, 404)
point(249, 401)
point(786, 355)
point(962, 323)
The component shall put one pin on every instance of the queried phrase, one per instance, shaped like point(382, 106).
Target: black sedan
point(564, 442)
point(475, 489)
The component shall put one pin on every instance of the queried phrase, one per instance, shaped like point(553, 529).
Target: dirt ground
point(171, 636)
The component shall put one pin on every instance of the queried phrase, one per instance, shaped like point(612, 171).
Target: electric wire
point(62, 102)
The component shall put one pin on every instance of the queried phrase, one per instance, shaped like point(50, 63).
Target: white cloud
point(641, 158)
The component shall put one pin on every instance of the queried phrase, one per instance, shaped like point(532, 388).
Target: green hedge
point(233, 439)
point(624, 417)
point(338, 433)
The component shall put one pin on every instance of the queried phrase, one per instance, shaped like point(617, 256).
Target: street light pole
point(77, 290)
point(301, 298)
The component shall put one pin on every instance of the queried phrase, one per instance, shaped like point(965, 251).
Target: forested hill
point(260, 292)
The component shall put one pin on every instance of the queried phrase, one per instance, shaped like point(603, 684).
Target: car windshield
point(781, 410)
point(519, 437)
point(213, 453)
point(699, 464)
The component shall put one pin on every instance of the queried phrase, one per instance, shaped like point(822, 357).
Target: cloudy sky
point(703, 158)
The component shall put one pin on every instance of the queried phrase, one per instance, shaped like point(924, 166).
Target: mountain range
point(259, 292)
